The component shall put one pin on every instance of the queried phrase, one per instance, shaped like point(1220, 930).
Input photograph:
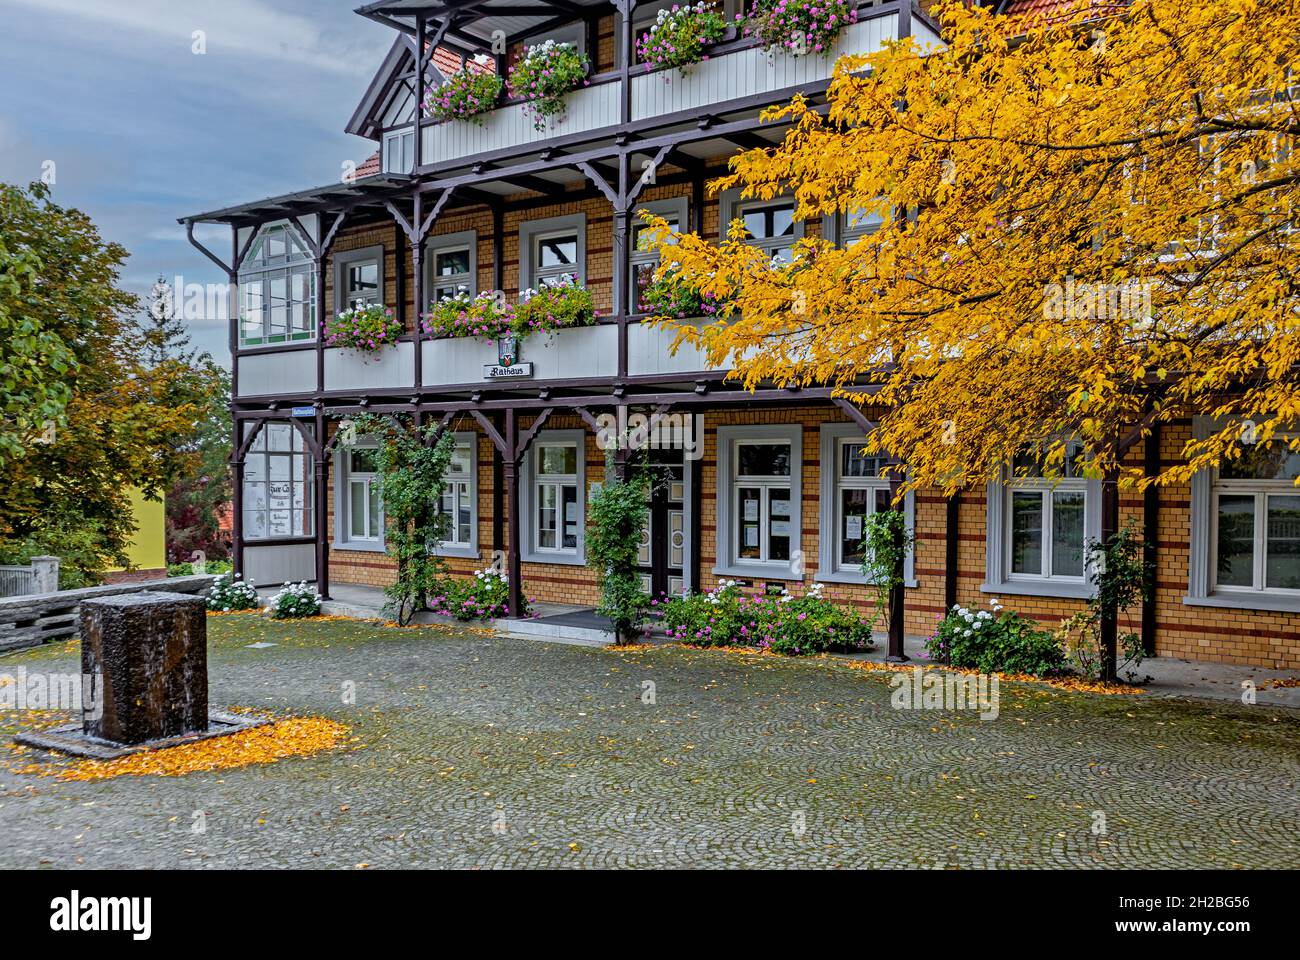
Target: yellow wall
point(148, 551)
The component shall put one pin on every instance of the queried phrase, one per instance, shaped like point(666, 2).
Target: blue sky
point(142, 130)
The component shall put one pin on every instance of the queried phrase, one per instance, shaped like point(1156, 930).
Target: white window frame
point(729, 438)
point(998, 576)
point(347, 258)
point(344, 478)
point(528, 505)
point(457, 548)
point(734, 206)
point(532, 231)
point(403, 140)
point(846, 235)
point(1202, 588)
point(830, 569)
point(266, 269)
point(447, 243)
point(674, 207)
point(301, 470)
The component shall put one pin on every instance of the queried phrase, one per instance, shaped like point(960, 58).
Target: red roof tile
point(1053, 10)
point(370, 166)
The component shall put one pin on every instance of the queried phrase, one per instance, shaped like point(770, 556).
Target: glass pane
point(450, 263)
point(253, 309)
point(749, 524)
point(557, 460)
point(765, 223)
point(641, 233)
point(363, 280)
point(1235, 552)
point(1027, 533)
point(1271, 461)
point(275, 242)
point(1067, 534)
point(780, 525)
point(278, 315)
point(547, 515)
point(460, 462)
point(365, 460)
point(358, 508)
point(463, 513)
point(642, 276)
point(374, 510)
point(854, 508)
point(1282, 569)
point(855, 463)
point(557, 251)
point(763, 460)
point(570, 500)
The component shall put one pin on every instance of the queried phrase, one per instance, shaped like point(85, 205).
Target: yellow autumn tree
point(1085, 227)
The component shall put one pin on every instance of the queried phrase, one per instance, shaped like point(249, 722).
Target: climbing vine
point(616, 517)
point(885, 543)
point(412, 470)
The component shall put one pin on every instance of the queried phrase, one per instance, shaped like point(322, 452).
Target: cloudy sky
point(143, 129)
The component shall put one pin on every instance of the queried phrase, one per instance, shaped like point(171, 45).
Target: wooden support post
point(1109, 626)
point(951, 551)
point(417, 288)
point(897, 612)
point(1150, 539)
point(514, 572)
point(237, 509)
point(322, 518)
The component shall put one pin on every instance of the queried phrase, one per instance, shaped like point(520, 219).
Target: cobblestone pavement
point(483, 752)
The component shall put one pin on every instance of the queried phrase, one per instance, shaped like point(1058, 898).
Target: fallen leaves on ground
point(287, 737)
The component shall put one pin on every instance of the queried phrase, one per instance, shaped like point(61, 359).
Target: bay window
point(277, 289)
point(278, 473)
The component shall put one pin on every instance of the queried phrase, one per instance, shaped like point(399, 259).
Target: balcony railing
point(738, 72)
point(581, 353)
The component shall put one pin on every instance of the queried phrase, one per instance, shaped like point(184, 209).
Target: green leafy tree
point(110, 417)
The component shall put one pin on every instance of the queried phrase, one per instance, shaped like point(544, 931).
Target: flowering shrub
point(668, 296)
point(544, 75)
point(784, 624)
point(294, 600)
point(486, 316)
point(563, 303)
point(798, 27)
point(997, 641)
point(232, 593)
point(466, 95)
point(484, 597)
point(679, 35)
point(368, 329)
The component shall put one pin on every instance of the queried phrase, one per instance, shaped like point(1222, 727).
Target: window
point(759, 526)
point(853, 487)
point(552, 496)
point(1256, 521)
point(451, 266)
point(358, 278)
point(460, 499)
point(399, 151)
point(278, 485)
point(277, 289)
point(1045, 520)
point(852, 225)
point(362, 515)
point(770, 224)
point(551, 249)
point(644, 260)
point(557, 497)
point(1039, 528)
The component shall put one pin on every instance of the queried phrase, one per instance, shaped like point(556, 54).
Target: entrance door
point(662, 558)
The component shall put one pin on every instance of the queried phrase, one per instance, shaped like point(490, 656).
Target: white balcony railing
point(730, 77)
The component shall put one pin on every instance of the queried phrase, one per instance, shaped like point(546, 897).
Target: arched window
point(277, 289)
